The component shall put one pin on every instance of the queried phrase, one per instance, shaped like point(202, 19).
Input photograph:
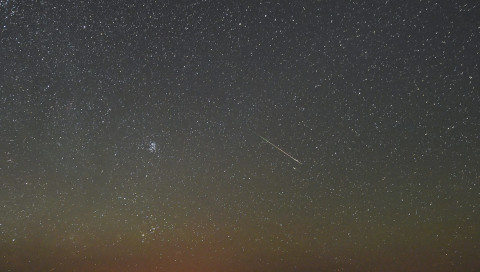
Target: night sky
point(131, 135)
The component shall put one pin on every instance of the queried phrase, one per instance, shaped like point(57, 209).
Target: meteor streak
point(291, 157)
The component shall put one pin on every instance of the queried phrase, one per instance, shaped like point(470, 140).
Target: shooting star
point(290, 156)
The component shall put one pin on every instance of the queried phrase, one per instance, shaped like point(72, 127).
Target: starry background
point(130, 135)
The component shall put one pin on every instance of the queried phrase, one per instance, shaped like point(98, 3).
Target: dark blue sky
point(130, 135)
